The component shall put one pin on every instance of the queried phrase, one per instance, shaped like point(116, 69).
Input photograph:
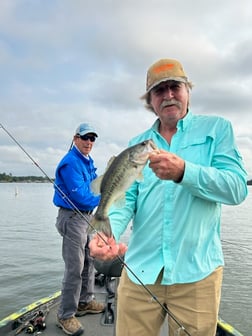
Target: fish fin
point(110, 162)
point(101, 224)
point(96, 185)
point(120, 202)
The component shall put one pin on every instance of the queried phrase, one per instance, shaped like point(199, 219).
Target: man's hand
point(167, 166)
point(105, 248)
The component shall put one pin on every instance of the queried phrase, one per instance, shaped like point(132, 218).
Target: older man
point(175, 246)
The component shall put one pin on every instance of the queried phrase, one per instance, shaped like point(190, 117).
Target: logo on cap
point(163, 67)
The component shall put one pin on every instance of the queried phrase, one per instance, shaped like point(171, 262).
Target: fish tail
point(102, 224)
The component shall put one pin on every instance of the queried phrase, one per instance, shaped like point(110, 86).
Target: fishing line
point(66, 198)
point(154, 297)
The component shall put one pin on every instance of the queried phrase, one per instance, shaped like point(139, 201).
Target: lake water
point(30, 252)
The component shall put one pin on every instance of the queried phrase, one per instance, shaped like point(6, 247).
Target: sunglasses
point(87, 137)
point(173, 86)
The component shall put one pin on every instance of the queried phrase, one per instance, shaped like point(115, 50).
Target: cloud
point(65, 62)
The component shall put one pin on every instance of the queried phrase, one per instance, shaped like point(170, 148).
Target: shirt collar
point(181, 125)
point(184, 122)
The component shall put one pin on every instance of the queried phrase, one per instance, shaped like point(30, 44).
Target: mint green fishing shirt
point(176, 226)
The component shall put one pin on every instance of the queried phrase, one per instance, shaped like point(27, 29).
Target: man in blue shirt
point(175, 245)
point(74, 174)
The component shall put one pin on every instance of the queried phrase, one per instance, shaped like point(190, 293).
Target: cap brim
point(177, 79)
point(88, 132)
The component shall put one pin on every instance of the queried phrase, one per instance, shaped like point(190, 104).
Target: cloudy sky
point(63, 62)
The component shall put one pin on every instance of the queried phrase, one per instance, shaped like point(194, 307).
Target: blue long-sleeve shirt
point(74, 175)
point(176, 226)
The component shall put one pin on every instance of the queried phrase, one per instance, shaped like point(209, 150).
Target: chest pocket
point(198, 150)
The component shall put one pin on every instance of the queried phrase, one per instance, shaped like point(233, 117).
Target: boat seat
point(106, 272)
point(111, 268)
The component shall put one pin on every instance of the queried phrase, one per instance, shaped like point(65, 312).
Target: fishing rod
point(66, 198)
point(154, 297)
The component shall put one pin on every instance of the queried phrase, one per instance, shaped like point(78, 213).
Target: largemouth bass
point(122, 171)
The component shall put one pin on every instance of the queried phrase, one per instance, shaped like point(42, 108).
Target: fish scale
point(120, 174)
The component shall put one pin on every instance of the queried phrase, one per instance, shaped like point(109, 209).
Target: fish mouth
point(151, 145)
point(143, 156)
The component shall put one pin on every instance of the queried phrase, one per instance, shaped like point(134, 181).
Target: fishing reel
point(36, 324)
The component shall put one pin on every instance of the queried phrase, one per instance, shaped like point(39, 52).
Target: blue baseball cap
point(85, 129)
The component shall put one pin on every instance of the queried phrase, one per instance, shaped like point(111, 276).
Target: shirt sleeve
point(225, 181)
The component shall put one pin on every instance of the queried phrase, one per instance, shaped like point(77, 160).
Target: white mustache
point(169, 103)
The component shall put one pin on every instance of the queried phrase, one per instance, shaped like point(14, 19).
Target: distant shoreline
point(9, 178)
point(4, 178)
point(28, 181)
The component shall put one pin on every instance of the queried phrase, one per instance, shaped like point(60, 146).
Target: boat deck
point(94, 324)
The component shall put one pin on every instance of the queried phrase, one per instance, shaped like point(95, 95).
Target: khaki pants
point(194, 305)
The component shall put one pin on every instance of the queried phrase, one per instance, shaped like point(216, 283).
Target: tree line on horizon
point(8, 178)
